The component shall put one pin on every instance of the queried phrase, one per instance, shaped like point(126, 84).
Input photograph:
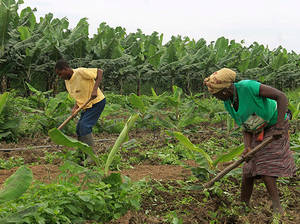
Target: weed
point(50, 157)
point(11, 162)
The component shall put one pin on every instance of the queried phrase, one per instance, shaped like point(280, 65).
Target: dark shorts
point(89, 118)
point(275, 159)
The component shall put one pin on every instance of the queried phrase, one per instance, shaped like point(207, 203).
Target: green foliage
point(8, 120)
point(173, 111)
point(84, 195)
point(19, 216)
point(111, 126)
point(66, 202)
point(131, 61)
point(44, 112)
point(3, 100)
point(229, 156)
point(16, 184)
point(137, 102)
point(171, 154)
point(39, 98)
point(11, 162)
point(121, 139)
point(8, 20)
point(187, 143)
point(295, 108)
point(61, 139)
point(294, 104)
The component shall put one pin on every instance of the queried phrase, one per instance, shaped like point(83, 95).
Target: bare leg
point(247, 188)
point(270, 183)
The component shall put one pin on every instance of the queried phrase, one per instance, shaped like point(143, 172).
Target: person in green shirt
point(261, 111)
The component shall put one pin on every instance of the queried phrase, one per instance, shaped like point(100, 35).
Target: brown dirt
point(194, 211)
point(192, 206)
point(157, 172)
point(48, 172)
point(44, 173)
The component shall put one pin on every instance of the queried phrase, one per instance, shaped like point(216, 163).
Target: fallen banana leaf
point(61, 139)
point(16, 185)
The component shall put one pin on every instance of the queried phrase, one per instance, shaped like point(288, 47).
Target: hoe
point(238, 162)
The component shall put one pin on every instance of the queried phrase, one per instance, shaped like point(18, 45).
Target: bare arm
point(281, 99)
point(97, 83)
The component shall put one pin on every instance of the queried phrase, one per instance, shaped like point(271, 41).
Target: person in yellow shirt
point(83, 85)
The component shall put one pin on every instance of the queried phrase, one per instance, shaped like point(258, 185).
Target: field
point(160, 138)
point(166, 177)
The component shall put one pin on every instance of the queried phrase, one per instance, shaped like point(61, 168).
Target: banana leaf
point(16, 184)
point(230, 156)
point(61, 139)
point(5, 134)
point(188, 144)
point(3, 100)
point(121, 139)
point(295, 147)
point(137, 102)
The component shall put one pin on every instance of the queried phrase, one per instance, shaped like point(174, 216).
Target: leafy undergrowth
point(79, 195)
point(178, 202)
point(168, 194)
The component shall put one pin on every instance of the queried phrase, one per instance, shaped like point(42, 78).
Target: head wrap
point(219, 80)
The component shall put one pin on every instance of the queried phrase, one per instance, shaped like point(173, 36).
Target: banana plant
point(280, 57)
point(8, 20)
point(8, 125)
point(188, 144)
point(61, 139)
point(176, 49)
point(106, 44)
point(146, 51)
point(54, 110)
point(3, 100)
point(179, 114)
point(29, 48)
point(295, 109)
point(120, 140)
point(208, 166)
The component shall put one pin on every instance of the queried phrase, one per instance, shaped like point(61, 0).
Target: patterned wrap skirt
point(275, 159)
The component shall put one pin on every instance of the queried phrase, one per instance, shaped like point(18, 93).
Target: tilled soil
point(191, 206)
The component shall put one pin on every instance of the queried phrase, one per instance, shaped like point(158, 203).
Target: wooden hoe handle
point(73, 115)
point(238, 162)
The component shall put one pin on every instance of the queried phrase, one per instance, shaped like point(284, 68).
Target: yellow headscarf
point(219, 80)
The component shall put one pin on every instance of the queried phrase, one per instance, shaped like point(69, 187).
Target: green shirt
point(254, 111)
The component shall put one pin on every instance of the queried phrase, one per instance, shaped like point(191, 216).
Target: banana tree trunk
point(121, 86)
point(3, 84)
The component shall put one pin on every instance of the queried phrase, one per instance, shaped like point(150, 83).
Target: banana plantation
point(132, 62)
point(159, 142)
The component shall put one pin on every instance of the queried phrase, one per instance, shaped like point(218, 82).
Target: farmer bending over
point(261, 111)
point(82, 85)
